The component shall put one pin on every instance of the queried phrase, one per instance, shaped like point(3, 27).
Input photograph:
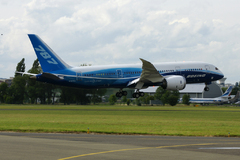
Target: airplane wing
point(149, 74)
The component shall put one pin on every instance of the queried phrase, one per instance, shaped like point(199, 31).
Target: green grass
point(160, 120)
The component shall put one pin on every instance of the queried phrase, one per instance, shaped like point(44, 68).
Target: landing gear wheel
point(206, 88)
point(119, 94)
point(141, 94)
point(135, 95)
point(124, 93)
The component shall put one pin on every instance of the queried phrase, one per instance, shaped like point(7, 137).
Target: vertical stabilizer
point(227, 92)
point(48, 59)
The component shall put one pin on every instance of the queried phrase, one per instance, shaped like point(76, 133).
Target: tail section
point(48, 59)
point(227, 92)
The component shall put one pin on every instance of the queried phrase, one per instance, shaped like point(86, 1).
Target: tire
point(134, 95)
point(141, 94)
point(117, 94)
point(124, 93)
point(137, 95)
point(206, 88)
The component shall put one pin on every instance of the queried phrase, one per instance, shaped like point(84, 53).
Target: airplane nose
point(220, 75)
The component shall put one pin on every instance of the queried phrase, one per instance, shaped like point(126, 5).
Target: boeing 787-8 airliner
point(171, 76)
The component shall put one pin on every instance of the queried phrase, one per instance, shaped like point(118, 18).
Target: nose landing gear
point(206, 88)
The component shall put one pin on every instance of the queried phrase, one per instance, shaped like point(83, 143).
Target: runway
point(98, 146)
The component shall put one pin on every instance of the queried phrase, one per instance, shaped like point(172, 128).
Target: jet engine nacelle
point(174, 83)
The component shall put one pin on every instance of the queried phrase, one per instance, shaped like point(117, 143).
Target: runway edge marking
point(131, 149)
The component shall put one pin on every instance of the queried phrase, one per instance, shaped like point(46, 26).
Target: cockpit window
point(216, 68)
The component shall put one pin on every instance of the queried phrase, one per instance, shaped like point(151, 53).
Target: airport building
point(8, 81)
point(194, 90)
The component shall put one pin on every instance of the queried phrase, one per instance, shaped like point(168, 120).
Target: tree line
point(162, 95)
point(26, 90)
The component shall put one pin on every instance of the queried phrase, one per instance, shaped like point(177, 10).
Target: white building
point(194, 90)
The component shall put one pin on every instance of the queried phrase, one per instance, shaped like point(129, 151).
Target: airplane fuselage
point(118, 76)
point(210, 100)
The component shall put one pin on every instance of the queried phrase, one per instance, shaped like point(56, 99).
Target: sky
point(101, 32)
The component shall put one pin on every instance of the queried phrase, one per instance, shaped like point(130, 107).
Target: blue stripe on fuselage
point(110, 78)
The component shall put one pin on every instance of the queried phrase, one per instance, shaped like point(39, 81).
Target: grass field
point(159, 120)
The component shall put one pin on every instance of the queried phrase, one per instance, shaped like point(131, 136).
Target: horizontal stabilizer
point(26, 73)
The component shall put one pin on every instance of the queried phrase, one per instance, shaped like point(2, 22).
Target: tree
point(165, 97)
point(81, 96)
point(124, 99)
point(224, 89)
point(20, 67)
point(128, 102)
point(138, 101)
point(146, 98)
point(235, 89)
point(33, 86)
point(9, 97)
point(173, 100)
point(18, 87)
point(97, 95)
point(112, 99)
point(3, 92)
point(159, 93)
point(186, 99)
point(67, 95)
point(36, 68)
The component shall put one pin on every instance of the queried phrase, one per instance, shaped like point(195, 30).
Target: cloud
point(183, 20)
point(121, 31)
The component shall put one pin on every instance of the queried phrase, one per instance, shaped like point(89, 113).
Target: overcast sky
point(101, 32)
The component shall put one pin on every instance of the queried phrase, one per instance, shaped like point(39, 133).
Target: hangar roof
point(190, 88)
point(193, 88)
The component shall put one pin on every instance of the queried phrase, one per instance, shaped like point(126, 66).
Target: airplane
point(225, 98)
point(235, 98)
point(171, 76)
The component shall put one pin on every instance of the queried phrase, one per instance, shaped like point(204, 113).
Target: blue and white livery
point(171, 76)
point(225, 98)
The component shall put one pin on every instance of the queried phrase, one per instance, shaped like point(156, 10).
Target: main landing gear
point(138, 94)
point(121, 93)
